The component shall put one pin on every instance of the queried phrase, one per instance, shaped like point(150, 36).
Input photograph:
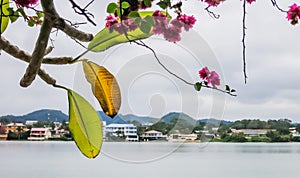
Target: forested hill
point(59, 116)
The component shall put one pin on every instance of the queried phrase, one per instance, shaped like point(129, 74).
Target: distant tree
point(256, 124)
point(224, 129)
point(12, 136)
point(298, 127)
point(275, 136)
point(240, 124)
point(239, 137)
point(236, 137)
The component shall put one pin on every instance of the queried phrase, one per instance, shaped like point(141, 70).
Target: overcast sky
point(272, 91)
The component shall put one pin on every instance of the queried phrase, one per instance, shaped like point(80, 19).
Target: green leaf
point(133, 14)
point(125, 5)
point(39, 14)
point(104, 39)
point(147, 3)
point(22, 12)
point(104, 86)
point(31, 22)
point(145, 27)
point(198, 86)
point(85, 125)
point(227, 88)
point(4, 15)
point(111, 8)
point(13, 15)
point(162, 4)
point(150, 20)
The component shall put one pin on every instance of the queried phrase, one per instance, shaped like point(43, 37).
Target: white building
point(31, 122)
point(39, 134)
point(153, 135)
point(127, 130)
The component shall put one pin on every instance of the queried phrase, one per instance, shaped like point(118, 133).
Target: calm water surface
point(149, 160)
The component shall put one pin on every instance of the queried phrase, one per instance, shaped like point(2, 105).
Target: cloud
point(272, 65)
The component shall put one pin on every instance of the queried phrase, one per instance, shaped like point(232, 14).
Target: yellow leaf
point(104, 86)
point(85, 125)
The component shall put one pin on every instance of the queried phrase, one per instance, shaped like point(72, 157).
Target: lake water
point(149, 160)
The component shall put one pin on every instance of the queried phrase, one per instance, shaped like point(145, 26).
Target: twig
point(141, 43)
point(83, 11)
point(274, 3)
point(211, 13)
point(244, 42)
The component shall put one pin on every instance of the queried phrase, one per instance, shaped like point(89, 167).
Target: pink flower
point(112, 24)
point(172, 34)
point(204, 72)
point(110, 21)
point(250, 1)
point(214, 79)
point(211, 77)
point(161, 22)
point(188, 21)
point(172, 30)
point(293, 14)
point(26, 3)
point(213, 2)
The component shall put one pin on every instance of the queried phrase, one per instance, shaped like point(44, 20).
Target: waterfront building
point(153, 135)
point(129, 131)
point(16, 128)
point(252, 132)
point(182, 137)
point(3, 133)
point(39, 134)
point(31, 122)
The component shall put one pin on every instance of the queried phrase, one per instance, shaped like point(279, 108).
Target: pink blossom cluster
point(213, 2)
point(171, 31)
point(217, 2)
point(211, 77)
point(112, 24)
point(250, 1)
point(26, 3)
point(293, 14)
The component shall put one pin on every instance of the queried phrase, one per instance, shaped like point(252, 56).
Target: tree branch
point(26, 57)
point(73, 32)
point(41, 44)
point(244, 42)
point(83, 11)
point(274, 3)
point(14, 51)
point(211, 13)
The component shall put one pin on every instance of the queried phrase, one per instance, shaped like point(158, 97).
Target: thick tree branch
point(24, 56)
point(46, 77)
point(41, 44)
point(14, 51)
point(72, 32)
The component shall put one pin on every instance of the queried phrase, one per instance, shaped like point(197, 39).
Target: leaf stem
point(61, 87)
